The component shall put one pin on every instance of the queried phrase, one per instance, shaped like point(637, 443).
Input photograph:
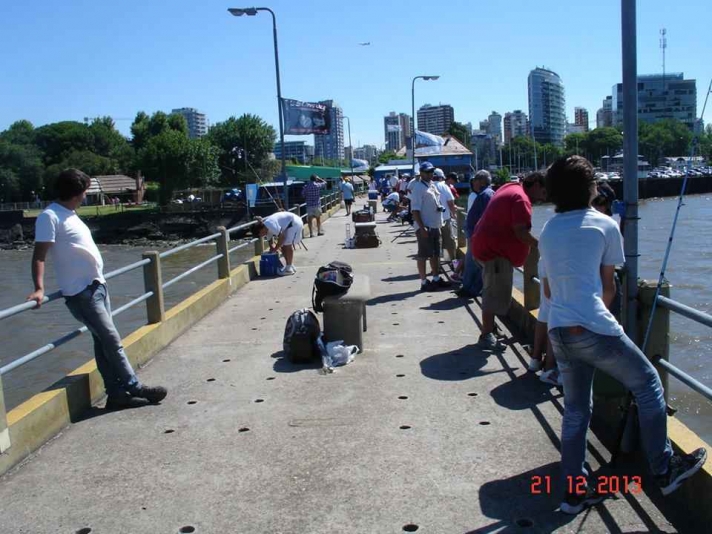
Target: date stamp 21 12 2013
point(604, 484)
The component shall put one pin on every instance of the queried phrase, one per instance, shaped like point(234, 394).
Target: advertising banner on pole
point(305, 118)
point(251, 190)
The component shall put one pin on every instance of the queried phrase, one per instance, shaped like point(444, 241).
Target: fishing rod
point(236, 151)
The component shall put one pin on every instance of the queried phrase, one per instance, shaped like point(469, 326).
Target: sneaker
point(489, 342)
point(427, 285)
point(576, 503)
point(551, 377)
point(680, 468)
point(154, 395)
point(123, 402)
point(441, 283)
point(287, 271)
point(535, 365)
point(320, 233)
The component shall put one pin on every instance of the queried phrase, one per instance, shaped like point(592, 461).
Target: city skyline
point(232, 62)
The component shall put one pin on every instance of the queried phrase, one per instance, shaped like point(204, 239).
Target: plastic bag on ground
point(336, 354)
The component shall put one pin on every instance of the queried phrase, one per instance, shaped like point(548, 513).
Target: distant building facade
point(366, 152)
point(494, 127)
point(294, 150)
point(604, 116)
point(575, 128)
point(547, 106)
point(515, 125)
point(331, 146)
point(396, 129)
point(197, 122)
point(661, 97)
point(435, 119)
point(581, 118)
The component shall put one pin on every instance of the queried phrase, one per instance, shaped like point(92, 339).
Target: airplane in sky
point(365, 44)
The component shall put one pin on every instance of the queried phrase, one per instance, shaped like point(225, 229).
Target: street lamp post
point(351, 150)
point(412, 118)
point(252, 11)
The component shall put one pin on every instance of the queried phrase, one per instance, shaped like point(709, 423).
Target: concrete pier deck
point(421, 433)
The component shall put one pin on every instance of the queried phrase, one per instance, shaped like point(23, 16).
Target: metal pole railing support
point(531, 289)
point(222, 245)
point(4, 431)
point(461, 239)
point(659, 340)
point(153, 281)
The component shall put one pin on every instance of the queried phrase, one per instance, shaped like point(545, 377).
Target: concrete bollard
point(461, 239)
point(222, 246)
point(531, 288)
point(4, 431)
point(659, 341)
point(259, 246)
point(153, 281)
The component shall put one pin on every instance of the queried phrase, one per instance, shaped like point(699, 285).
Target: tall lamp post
point(351, 149)
point(252, 11)
point(412, 118)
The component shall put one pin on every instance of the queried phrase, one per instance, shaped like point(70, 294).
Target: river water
point(688, 271)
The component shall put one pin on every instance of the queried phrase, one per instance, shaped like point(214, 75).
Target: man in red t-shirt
point(500, 242)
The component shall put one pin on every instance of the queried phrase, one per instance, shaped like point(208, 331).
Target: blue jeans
point(472, 276)
point(579, 352)
point(92, 307)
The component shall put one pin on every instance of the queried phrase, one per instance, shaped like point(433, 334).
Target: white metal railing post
point(222, 247)
point(4, 431)
point(153, 282)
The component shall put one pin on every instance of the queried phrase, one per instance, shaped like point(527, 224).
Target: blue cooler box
point(270, 264)
point(373, 195)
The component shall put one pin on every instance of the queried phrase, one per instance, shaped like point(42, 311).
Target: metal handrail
point(190, 271)
point(685, 311)
point(200, 241)
point(683, 377)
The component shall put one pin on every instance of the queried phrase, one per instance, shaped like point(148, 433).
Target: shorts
point(348, 201)
point(429, 245)
point(497, 276)
point(313, 211)
point(293, 234)
point(390, 208)
point(448, 240)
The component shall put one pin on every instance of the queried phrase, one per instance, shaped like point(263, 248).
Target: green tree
point(664, 138)
point(501, 176)
point(165, 159)
point(22, 169)
point(249, 134)
point(203, 169)
point(575, 143)
point(58, 140)
point(144, 128)
point(459, 131)
point(602, 142)
point(385, 157)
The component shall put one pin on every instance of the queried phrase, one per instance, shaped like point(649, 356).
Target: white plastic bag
point(337, 354)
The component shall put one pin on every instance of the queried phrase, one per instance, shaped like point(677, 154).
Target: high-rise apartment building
point(604, 116)
point(366, 152)
point(331, 145)
point(494, 127)
point(660, 97)
point(581, 118)
point(515, 125)
point(197, 122)
point(396, 128)
point(294, 150)
point(435, 119)
point(547, 106)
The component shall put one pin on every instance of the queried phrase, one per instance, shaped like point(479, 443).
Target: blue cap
point(426, 166)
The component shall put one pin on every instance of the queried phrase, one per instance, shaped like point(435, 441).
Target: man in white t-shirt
point(580, 248)
point(393, 181)
point(447, 200)
point(79, 268)
point(287, 227)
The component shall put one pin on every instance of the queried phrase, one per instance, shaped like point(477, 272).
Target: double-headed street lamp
point(351, 146)
point(251, 12)
point(412, 102)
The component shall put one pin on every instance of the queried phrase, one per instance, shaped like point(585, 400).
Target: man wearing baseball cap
point(447, 200)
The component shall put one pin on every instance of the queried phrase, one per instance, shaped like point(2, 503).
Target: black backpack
point(332, 279)
point(301, 336)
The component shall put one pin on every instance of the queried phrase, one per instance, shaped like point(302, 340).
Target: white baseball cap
point(439, 174)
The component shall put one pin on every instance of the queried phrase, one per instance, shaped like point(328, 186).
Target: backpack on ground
point(366, 241)
point(301, 336)
point(332, 279)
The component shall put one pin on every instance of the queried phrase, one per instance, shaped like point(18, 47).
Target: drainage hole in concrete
point(270, 378)
point(525, 523)
point(254, 329)
point(472, 394)
point(263, 318)
point(192, 402)
point(392, 305)
point(441, 322)
point(484, 423)
point(225, 361)
point(396, 324)
point(410, 527)
point(169, 431)
point(400, 376)
point(210, 380)
point(399, 355)
point(437, 312)
point(405, 427)
point(262, 400)
point(186, 530)
point(85, 530)
point(243, 429)
point(271, 309)
point(276, 302)
point(403, 397)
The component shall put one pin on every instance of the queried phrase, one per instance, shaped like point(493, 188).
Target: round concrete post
point(4, 431)
point(531, 288)
point(153, 281)
point(222, 247)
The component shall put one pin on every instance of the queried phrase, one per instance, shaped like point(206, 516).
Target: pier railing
point(658, 347)
point(154, 287)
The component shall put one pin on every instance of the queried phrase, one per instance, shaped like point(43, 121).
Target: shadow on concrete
point(459, 364)
point(401, 278)
point(393, 297)
point(522, 392)
point(283, 365)
point(409, 242)
point(442, 305)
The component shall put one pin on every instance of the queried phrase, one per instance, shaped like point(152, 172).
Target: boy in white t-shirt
point(580, 248)
point(287, 228)
point(79, 268)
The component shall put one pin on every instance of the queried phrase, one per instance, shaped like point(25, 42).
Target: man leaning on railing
point(79, 269)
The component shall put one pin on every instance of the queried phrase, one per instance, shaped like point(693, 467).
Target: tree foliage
point(460, 132)
point(664, 138)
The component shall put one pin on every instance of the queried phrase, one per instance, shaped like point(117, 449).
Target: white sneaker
point(552, 377)
point(287, 271)
point(535, 365)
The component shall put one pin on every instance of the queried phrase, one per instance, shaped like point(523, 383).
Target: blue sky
point(83, 58)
